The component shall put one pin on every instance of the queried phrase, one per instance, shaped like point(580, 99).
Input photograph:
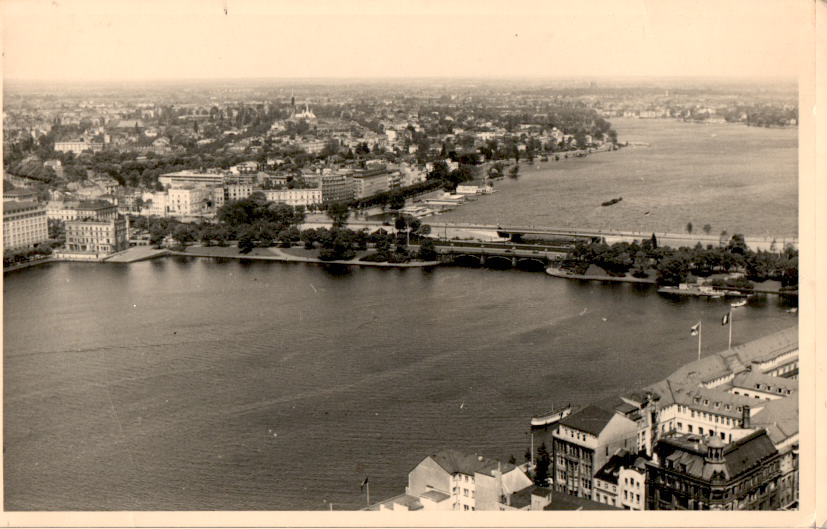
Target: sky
point(71, 40)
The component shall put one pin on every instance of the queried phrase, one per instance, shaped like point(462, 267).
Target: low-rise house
point(454, 480)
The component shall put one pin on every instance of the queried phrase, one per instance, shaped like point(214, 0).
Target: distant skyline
point(185, 39)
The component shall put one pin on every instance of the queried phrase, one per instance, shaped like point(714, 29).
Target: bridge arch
point(531, 263)
point(498, 262)
point(465, 259)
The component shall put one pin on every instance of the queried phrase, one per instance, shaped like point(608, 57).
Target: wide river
point(187, 383)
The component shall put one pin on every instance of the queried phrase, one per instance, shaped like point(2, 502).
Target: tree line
point(674, 265)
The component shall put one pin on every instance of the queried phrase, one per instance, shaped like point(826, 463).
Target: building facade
point(691, 472)
point(583, 442)
point(98, 237)
point(336, 188)
point(295, 197)
point(24, 224)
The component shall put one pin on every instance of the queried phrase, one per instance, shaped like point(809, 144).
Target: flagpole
point(700, 333)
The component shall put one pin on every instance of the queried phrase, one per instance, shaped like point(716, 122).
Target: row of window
point(628, 496)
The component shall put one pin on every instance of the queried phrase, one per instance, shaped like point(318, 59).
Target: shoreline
point(554, 272)
point(23, 266)
point(286, 258)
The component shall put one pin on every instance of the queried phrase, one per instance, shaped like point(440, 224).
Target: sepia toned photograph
point(405, 258)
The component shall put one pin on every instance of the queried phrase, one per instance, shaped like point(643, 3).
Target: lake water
point(186, 383)
point(733, 177)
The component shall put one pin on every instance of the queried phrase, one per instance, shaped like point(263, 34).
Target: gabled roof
point(456, 462)
point(590, 419)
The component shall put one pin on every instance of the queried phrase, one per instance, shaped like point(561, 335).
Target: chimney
point(745, 416)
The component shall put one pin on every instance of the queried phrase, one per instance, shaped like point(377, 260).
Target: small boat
point(793, 310)
point(737, 304)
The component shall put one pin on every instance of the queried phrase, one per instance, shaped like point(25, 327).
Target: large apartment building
point(96, 237)
point(24, 224)
point(691, 472)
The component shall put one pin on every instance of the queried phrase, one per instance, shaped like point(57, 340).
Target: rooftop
point(779, 417)
point(13, 207)
point(590, 419)
point(456, 462)
point(623, 459)
point(566, 502)
point(94, 204)
point(755, 380)
point(687, 453)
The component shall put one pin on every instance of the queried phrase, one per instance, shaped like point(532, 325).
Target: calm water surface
point(206, 384)
point(733, 177)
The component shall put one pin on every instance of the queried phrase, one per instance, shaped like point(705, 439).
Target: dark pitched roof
point(566, 502)
point(522, 498)
point(687, 454)
point(610, 471)
point(11, 206)
point(94, 204)
point(456, 462)
point(747, 452)
point(590, 419)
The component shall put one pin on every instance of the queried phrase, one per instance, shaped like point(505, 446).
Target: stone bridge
point(499, 257)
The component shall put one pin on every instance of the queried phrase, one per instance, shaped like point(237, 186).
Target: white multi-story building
point(717, 395)
point(621, 482)
point(200, 177)
point(295, 197)
point(156, 204)
point(77, 146)
point(189, 201)
point(24, 224)
point(631, 482)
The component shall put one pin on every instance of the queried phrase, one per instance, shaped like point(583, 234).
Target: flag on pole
point(693, 331)
point(364, 483)
point(725, 319)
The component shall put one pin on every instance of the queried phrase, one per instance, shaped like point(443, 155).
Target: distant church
point(305, 114)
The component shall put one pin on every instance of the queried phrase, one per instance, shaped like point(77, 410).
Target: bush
point(374, 258)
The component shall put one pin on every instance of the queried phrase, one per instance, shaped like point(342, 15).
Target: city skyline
point(197, 40)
